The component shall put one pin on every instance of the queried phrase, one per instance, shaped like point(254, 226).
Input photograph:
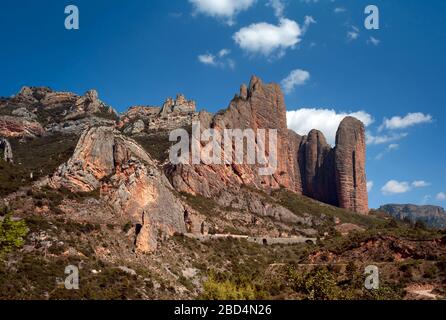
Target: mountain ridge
point(432, 216)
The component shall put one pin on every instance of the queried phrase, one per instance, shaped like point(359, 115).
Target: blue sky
point(140, 52)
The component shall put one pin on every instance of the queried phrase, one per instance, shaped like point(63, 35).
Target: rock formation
point(175, 113)
point(36, 110)
point(17, 127)
point(128, 181)
point(5, 147)
point(179, 105)
point(431, 216)
point(350, 174)
point(306, 165)
point(259, 106)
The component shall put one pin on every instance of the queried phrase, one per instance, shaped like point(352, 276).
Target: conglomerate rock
point(128, 180)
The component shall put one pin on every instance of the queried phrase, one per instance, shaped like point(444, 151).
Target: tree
point(11, 234)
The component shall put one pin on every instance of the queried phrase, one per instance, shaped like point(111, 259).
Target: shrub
point(11, 234)
point(227, 290)
point(318, 284)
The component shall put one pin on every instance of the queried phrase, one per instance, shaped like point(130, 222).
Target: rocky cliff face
point(432, 216)
point(35, 111)
point(128, 180)
point(258, 106)
point(175, 113)
point(350, 175)
point(306, 165)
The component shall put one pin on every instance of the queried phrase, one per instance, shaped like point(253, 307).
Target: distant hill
point(432, 216)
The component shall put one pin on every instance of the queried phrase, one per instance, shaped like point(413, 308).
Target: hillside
point(98, 191)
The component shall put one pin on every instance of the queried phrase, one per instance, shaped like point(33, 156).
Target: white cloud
point(220, 60)
point(224, 9)
point(374, 41)
point(302, 121)
point(370, 186)
point(339, 10)
point(409, 120)
point(208, 59)
point(441, 196)
point(381, 139)
point(278, 7)
point(223, 52)
point(395, 187)
point(266, 39)
point(420, 184)
point(296, 78)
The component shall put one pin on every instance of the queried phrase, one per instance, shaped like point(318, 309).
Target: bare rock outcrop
point(6, 149)
point(174, 114)
point(306, 165)
point(350, 174)
point(259, 106)
point(18, 127)
point(178, 105)
point(316, 164)
point(128, 181)
point(37, 110)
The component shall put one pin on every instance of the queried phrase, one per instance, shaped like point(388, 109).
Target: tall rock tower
point(350, 151)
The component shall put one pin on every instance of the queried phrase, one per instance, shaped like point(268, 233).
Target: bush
point(227, 290)
point(318, 284)
point(11, 234)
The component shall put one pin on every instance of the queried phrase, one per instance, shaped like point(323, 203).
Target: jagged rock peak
point(178, 105)
point(254, 83)
point(27, 91)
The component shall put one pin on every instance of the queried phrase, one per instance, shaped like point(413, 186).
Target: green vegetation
point(11, 234)
point(300, 204)
point(43, 279)
point(42, 155)
point(205, 206)
point(318, 284)
point(12, 177)
point(157, 145)
point(54, 197)
point(214, 289)
point(34, 159)
point(107, 113)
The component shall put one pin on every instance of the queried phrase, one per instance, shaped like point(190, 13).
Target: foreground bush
point(11, 234)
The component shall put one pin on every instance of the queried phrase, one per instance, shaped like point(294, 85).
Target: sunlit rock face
point(128, 181)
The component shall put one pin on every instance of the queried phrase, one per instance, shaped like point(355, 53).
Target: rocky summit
point(98, 189)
